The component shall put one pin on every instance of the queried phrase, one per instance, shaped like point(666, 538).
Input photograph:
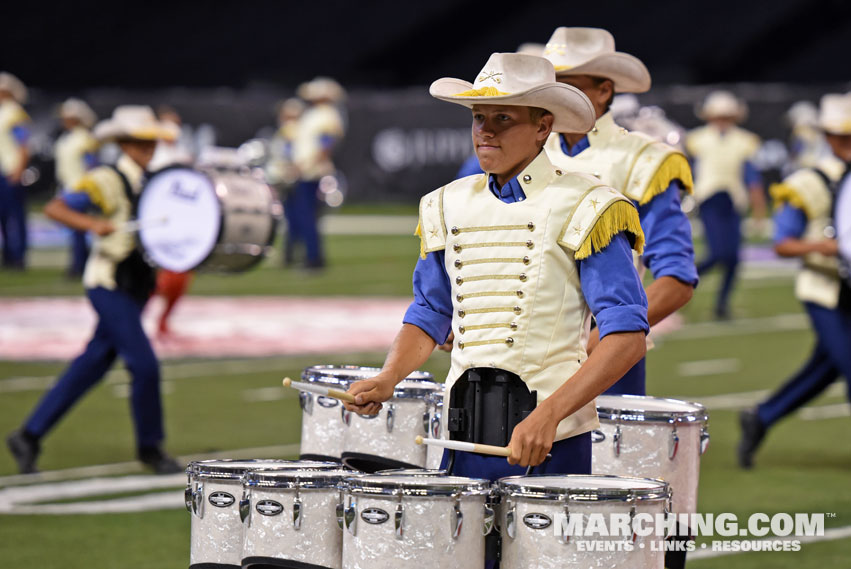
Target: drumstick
point(320, 390)
point(139, 224)
point(466, 447)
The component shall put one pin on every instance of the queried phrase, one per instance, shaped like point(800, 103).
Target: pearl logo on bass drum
point(269, 507)
point(537, 521)
point(374, 516)
point(221, 499)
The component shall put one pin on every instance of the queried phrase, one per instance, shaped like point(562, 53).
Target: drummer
point(118, 282)
point(805, 229)
point(512, 262)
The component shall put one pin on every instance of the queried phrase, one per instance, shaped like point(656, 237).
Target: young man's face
point(841, 145)
point(505, 137)
point(598, 90)
point(141, 151)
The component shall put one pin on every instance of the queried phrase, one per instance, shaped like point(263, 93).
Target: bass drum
point(215, 221)
point(843, 221)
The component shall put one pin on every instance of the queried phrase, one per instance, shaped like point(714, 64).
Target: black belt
point(485, 404)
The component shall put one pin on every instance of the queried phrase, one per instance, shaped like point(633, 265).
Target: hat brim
point(836, 128)
point(572, 111)
point(108, 130)
point(627, 72)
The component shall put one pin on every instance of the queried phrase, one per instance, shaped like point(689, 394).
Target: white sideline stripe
point(709, 367)
point(740, 327)
point(825, 412)
point(747, 399)
point(146, 503)
point(130, 467)
point(830, 534)
point(267, 394)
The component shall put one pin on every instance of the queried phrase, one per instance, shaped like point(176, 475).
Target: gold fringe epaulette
point(88, 185)
point(673, 167)
point(419, 233)
point(618, 217)
point(783, 193)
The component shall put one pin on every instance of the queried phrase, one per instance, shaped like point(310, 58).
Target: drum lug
point(340, 511)
point(245, 508)
point(616, 441)
point(673, 444)
point(633, 536)
point(297, 513)
point(391, 412)
point(426, 421)
point(399, 518)
point(489, 518)
point(306, 401)
point(187, 497)
point(704, 439)
point(565, 537)
point(351, 516)
point(346, 416)
point(510, 521)
point(198, 501)
point(457, 518)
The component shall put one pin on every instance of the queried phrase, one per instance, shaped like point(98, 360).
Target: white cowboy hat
point(77, 109)
point(135, 122)
point(591, 51)
point(532, 49)
point(802, 113)
point(835, 114)
point(321, 88)
point(14, 86)
point(521, 80)
point(722, 104)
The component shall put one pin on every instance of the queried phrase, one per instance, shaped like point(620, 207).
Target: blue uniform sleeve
point(327, 141)
point(79, 201)
point(751, 174)
point(470, 167)
point(431, 309)
point(21, 133)
point(789, 222)
point(668, 251)
point(613, 290)
point(90, 159)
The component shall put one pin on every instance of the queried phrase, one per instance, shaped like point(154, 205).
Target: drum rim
point(372, 485)
point(699, 415)
point(509, 488)
point(317, 374)
point(298, 479)
point(206, 470)
point(426, 472)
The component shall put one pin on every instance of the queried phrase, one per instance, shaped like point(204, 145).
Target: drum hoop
point(374, 487)
point(335, 375)
point(302, 479)
point(512, 487)
point(426, 472)
point(627, 414)
point(206, 470)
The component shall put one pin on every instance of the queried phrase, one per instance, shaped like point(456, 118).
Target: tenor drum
point(653, 438)
point(416, 521)
point(387, 439)
point(536, 510)
point(291, 518)
point(218, 221)
point(434, 453)
point(212, 497)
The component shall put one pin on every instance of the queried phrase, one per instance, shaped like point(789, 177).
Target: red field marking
point(59, 328)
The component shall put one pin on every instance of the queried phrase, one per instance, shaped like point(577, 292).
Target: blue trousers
point(633, 381)
point(569, 456)
point(79, 252)
point(119, 333)
point(722, 227)
point(13, 223)
point(830, 359)
point(301, 209)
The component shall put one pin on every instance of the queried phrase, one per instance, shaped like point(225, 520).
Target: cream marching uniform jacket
point(71, 149)
point(308, 153)
point(11, 115)
point(106, 190)
point(517, 300)
point(720, 162)
point(818, 281)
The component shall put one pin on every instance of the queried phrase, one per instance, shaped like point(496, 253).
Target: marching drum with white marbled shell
point(387, 439)
point(434, 453)
point(416, 521)
point(212, 497)
point(653, 438)
point(292, 515)
point(323, 418)
point(535, 509)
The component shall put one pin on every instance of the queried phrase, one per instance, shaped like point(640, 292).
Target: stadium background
point(227, 65)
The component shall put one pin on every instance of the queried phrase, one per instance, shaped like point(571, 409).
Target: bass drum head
point(843, 219)
point(180, 218)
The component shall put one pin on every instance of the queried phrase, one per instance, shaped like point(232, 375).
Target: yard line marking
point(709, 367)
point(133, 466)
point(267, 394)
point(825, 412)
point(148, 502)
point(830, 534)
point(740, 327)
point(746, 399)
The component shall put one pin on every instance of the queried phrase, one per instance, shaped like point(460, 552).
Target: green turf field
point(210, 407)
